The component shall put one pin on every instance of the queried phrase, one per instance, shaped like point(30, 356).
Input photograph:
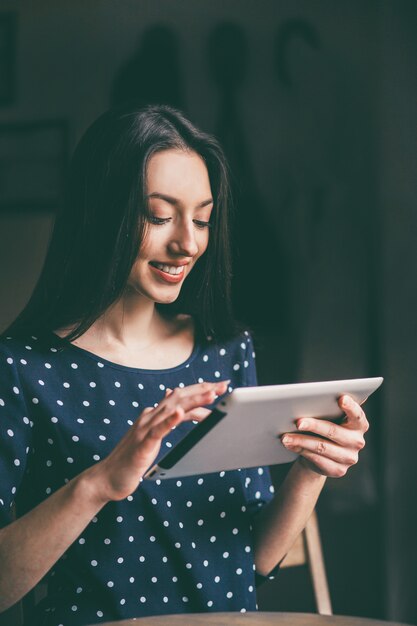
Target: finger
point(157, 432)
point(321, 447)
point(326, 466)
point(355, 416)
point(339, 434)
point(198, 414)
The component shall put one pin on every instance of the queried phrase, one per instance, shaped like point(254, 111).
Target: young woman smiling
point(127, 341)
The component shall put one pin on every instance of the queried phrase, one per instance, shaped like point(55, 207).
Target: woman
point(86, 400)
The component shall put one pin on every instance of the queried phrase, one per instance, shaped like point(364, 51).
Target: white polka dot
point(188, 566)
point(225, 555)
point(239, 571)
point(184, 599)
point(16, 390)
point(60, 402)
point(102, 437)
point(35, 400)
point(100, 364)
point(86, 403)
point(162, 387)
point(107, 541)
point(243, 610)
point(135, 404)
point(28, 347)
point(48, 463)
point(80, 420)
point(66, 385)
point(10, 361)
point(131, 538)
point(199, 586)
point(100, 613)
point(177, 545)
point(81, 540)
point(119, 519)
point(243, 345)
point(2, 403)
point(23, 362)
point(247, 548)
point(10, 433)
point(94, 563)
point(75, 438)
point(48, 366)
point(79, 589)
point(217, 579)
point(222, 351)
point(70, 459)
point(210, 603)
point(212, 539)
point(217, 374)
point(41, 382)
point(140, 518)
point(174, 579)
point(258, 495)
point(112, 402)
point(122, 601)
point(222, 474)
point(117, 384)
point(152, 538)
point(236, 367)
point(260, 471)
point(110, 583)
point(250, 588)
point(166, 524)
point(189, 503)
point(246, 363)
point(211, 498)
point(131, 579)
point(92, 384)
point(140, 386)
point(164, 559)
point(16, 462)
point(205, 358)
point(96, 457)
point(200, 522)
point(205, 563)
point(235, 531)
point(200, 481)
point(229, 594)
point(74, 366)
point(201, 380)
point(142, 558)
point(178, 483)
point(154, 579)
point(165, 599)
point(181, 385)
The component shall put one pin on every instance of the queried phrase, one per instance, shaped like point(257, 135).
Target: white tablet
point(244, 428)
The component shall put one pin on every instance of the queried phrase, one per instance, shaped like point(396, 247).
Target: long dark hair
point(98, 233)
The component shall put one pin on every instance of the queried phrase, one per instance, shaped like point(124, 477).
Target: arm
point(330, 453)
point(30, 546)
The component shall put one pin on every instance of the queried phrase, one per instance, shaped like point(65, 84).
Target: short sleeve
point(258, 485)
point(15, 434)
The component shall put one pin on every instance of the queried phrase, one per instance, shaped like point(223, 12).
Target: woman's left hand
point(336, 447)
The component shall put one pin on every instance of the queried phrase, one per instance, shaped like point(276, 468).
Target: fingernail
point(347, 402)
point(302, 424)
point(286, 440)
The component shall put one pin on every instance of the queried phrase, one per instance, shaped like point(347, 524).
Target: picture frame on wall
point(8, 32)
point(33, 160)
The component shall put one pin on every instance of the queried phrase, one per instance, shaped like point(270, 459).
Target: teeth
point(169, 269)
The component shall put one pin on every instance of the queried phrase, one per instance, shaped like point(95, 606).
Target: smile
point(168, 269)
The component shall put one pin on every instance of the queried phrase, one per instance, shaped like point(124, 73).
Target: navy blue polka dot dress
point(173, 546)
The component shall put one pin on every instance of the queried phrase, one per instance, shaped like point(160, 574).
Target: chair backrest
point(307, 550)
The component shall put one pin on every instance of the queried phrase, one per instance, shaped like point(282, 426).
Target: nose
point(184, 240)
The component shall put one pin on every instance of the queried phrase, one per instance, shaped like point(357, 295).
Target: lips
point(169, 273)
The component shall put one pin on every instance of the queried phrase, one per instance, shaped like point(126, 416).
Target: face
point(180, 203)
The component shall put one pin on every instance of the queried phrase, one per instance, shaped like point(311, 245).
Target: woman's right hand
point(119, 474)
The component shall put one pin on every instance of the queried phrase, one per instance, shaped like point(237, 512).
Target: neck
point(132, 321)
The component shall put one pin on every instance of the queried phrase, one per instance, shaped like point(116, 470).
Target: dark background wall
point(315, 104)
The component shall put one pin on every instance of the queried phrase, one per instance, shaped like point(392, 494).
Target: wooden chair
point(307, 550)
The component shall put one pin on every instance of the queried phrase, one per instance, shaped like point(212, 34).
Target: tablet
point(243, 429)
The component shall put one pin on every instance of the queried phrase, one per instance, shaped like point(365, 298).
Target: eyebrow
point(175, 201)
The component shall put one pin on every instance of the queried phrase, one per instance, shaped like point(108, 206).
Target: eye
point(152, 219)
point(201, 224)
